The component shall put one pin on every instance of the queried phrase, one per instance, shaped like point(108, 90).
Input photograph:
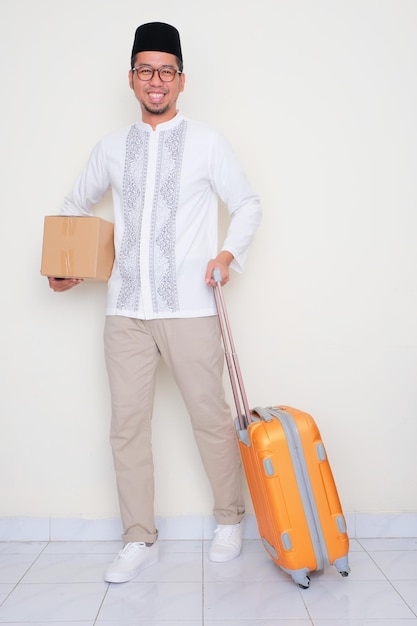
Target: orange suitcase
point(297, 507)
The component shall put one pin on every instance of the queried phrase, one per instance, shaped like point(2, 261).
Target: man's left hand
point(222, 262)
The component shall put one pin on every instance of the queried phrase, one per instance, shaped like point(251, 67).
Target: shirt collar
point(163, 125)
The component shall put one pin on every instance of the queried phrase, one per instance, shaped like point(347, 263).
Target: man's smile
point(155, 96)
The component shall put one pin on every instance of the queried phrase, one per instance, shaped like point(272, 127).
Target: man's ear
point(130, 77)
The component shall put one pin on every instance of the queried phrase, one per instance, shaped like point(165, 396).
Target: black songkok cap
point(157, 36)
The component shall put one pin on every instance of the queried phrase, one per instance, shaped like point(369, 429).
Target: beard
point(155, 110)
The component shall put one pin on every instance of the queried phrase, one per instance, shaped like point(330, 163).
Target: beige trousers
point(193, 351)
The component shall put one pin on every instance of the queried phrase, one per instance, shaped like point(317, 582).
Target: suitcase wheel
point(305, 584)
point(344, 574)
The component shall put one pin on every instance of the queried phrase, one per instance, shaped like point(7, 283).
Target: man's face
point(156, 97)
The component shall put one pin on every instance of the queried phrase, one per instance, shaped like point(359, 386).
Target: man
point(166, 173)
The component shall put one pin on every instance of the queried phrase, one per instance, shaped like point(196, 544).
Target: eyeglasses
point(166, 73)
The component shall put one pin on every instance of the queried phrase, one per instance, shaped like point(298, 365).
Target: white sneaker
point(227, 543)
point(134, 557)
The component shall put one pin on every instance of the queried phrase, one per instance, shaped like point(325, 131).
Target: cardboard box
point(77, 247)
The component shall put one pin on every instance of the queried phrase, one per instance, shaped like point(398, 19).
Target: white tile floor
point(60, 584)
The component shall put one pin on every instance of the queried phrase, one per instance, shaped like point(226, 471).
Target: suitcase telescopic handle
point(238, 389)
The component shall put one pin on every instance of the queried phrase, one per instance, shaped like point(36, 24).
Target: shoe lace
point(225, 532)
point(130, 549)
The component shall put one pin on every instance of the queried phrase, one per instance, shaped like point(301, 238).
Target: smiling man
point(167, 173)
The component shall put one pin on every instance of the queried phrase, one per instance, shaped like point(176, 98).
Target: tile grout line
point(15, 585)
point(101, 605)
point(203, 583)
point(388, 580)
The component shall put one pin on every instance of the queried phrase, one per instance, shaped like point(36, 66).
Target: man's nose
point(156, 78)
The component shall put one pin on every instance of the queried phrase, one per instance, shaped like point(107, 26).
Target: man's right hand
point(63, 284)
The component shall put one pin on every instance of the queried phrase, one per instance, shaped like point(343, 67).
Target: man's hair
point(179, 63)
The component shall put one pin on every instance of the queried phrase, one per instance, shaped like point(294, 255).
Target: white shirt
point(165, 185)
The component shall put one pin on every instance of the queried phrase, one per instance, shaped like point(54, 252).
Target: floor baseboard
point(360, 525)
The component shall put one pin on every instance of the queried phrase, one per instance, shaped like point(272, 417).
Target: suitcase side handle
point(238, 389)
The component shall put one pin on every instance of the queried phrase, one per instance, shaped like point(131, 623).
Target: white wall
point(319, 99)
